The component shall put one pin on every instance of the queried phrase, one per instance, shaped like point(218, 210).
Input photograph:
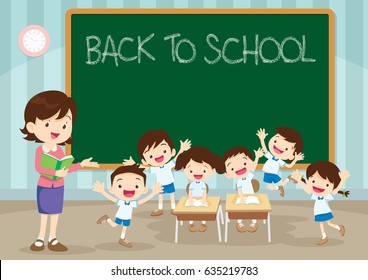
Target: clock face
point(34, 40)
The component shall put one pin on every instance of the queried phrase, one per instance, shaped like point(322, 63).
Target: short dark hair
point(128, 169)
point(45, 105)
point(153, 138)
point(292, 136)
point(233, 152)
point(199, 154)
point(327, 170)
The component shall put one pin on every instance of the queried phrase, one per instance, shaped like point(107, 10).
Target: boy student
point(156, 150)
point(286, 144)
point(323, 179)
point(128, 183)
point(239, 164)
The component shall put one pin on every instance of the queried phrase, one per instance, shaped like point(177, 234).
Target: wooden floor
point(294, 234)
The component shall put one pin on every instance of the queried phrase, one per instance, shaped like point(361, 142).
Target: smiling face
point(319, 186)
point(158, 155)
point(238, 166)
point(197, 172)
point(128, 186)
point(280, 148)
point(52, 130)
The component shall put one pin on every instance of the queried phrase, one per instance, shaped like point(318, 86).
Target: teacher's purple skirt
point(50, 200)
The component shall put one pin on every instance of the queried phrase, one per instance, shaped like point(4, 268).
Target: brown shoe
point(322, 241)
point(202, 228)
point(36, 248)
point(58, 247)
point(342, 230)
point(157, 212)
point(291, 179)
point(281, 191)
point(252, 229)
point(102, 220)
point(192, 228)
point(125, 242)
point(255, 185)
point(240, 227)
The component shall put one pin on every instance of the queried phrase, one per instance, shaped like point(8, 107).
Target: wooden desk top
point(265, 205)
point(213, 205)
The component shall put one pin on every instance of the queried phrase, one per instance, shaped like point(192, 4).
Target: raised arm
point(155, 190)
point(297, 157)
point(184, 146)
point(100, 188)
point(261, 133)
point(344, 174)
point(259, 153)
point(297, 176)
point(131, 161)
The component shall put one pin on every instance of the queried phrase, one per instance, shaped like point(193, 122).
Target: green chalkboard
point(218, 97)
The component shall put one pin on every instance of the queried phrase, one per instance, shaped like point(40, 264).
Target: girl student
point(49, 118)
point(198, 164)
point(324, 179)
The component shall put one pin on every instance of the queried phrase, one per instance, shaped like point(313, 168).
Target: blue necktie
point(126, 203)
point(275, 159)
point(320, 198)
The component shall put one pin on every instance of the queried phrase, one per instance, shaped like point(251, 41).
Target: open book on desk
point(251, 199)
point(196, 203)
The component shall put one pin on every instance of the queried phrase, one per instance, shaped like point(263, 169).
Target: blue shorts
point(168, 188)
point(271, 178)
point(323, 217)
point(125, 223)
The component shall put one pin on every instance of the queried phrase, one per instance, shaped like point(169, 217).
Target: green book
point(50, 162)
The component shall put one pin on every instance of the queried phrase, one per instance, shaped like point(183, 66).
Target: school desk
point(248, 211)
point(191, 213)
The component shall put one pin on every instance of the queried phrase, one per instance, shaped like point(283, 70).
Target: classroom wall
point(21, 77)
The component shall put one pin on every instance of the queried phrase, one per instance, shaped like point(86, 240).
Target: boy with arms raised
point(128, 183)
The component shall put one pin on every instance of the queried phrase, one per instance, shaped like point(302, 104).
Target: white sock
point(337, 227)
point(323, 235)
point(122, 236)
point(109, 220)
point(54, 242)
point(190, 222)
point(254, 221)
point(277, 188)
point(240, 221)
point(38, 243)
point(204, 222)
point(173, 205)
point(160, 206)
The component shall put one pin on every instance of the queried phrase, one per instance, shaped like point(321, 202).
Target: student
point(49, 117)
point(199, 164)
point(285, 145)
point(238, 164)
point(156, 150)
point(128, 183)
point(324, 179)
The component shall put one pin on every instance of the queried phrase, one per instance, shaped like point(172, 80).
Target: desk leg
point(176, 230)
point(222, 215)
point(269, 226)
point(226, 225)
point(218, 224)
point(181, 223)
point(264, 221)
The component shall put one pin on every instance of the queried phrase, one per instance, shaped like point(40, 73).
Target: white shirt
point(321, 205)
point(125, 209)
point(273, 164)
point(197, 188)
point(246, 184)
point(164, 173)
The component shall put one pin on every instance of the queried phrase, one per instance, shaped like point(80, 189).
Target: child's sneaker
point(342, 230)
point(157, 212)
point(102, 220)
point(281, 191)
point(192, 228)
point(322, 241)
point(202, 228)
point(240, 227)
point(125, 242)
point(252, 228)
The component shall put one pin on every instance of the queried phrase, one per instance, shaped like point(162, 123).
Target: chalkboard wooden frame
point(296, 11)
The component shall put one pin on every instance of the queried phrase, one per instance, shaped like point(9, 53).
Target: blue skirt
point(50, 200)
point(323, 217)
